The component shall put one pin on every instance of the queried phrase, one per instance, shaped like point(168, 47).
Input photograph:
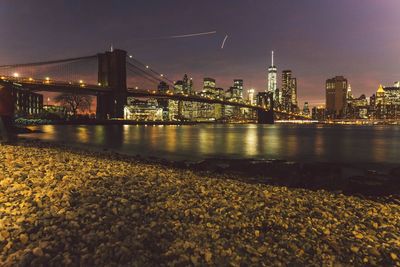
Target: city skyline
point(362, 45)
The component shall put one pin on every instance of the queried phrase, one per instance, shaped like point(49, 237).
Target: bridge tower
point(112, 73)
point(266, 116)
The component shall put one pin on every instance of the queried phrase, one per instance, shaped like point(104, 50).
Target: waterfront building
point(272, 84)
point(27, 103)
point(172, 113)
point(188, 111)
point(55, 111)
point(306, 109)
point(357, 108)
point(387, 102)
point(143, 110)
point(318, 113)
point(336, 96)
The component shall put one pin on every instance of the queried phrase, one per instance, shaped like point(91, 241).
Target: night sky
point(316, 39)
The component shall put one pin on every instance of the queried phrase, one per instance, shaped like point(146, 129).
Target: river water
point(301, 143)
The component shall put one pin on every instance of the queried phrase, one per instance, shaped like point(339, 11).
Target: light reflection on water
point(380, 144)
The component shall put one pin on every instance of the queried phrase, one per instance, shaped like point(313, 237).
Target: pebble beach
point(70, 207)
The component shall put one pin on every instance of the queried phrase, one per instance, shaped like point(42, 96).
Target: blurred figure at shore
point(6, 115)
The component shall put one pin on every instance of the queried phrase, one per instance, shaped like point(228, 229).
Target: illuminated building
point(55, 111)
point(178, 87)
point(188, 110)
point(220, 93)
point(306, 109)
point(187, 85)
point(357, 108)
point(163, 87)
point(349, 92)
point(272, 86)
point(263, 99)
point(336, 96)
point(397, 84)
point(318, 113)
point(209, 85)
point(250, 96)
point(27, 103)
point(293, 87)
point(238, 84)
point(387, 102)
point(143, 110)
point(288, 100)
point(286, 90)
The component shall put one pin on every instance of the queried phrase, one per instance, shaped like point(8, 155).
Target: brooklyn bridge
point(114, 76)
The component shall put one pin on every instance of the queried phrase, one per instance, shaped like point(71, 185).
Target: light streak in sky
point(223, 42)
point(178, 36)
point(191, 34)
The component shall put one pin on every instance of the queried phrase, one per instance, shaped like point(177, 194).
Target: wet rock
point(82, 208)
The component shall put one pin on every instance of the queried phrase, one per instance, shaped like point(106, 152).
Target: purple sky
point(316, 39)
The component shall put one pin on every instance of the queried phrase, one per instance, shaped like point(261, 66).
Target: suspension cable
point(49, 62)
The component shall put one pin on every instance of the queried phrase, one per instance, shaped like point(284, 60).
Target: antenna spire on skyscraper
point(272, 58)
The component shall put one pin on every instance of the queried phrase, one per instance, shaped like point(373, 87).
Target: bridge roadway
point(47, 85)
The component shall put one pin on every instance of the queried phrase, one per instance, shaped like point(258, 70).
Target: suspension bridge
point(112, 77)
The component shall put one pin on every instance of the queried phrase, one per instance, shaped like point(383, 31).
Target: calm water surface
point(359, 144)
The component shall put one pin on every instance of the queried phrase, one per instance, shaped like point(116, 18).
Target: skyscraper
point(272, 81)
point(286, 90)
point(209, 86)
point(238, 84)
point(306, 109)
point(178, 87)
point(294, 93)
point(336, 95)
point(187, 86)
point(250, 96)
point(163, 87)
point(289, 91)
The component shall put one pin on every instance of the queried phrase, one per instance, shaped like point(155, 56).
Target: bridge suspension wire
point(151, 78)
point(75, 70)
point(142, 74)
point(147, 68)
point(48, 62)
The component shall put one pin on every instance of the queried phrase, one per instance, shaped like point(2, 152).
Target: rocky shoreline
point(69, 207)
point(350, 179)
